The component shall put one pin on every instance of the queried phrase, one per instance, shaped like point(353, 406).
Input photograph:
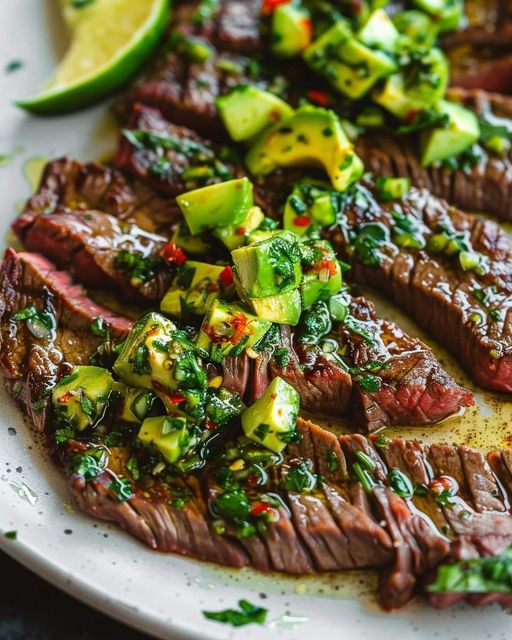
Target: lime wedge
point(110, 40)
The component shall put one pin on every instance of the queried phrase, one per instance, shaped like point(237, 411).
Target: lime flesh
point(110, 40)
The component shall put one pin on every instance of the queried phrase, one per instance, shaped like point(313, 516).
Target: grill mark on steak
point(434, 290)
point(70, 185)
point(89, 243)
point(486, 187)
point(32, 365)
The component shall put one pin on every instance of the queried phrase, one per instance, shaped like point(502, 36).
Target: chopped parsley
point(122, 489)
point(246, 614)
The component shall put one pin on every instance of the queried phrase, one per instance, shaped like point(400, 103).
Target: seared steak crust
point(469, 314)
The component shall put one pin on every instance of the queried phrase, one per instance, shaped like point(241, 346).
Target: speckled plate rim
point(160, 594)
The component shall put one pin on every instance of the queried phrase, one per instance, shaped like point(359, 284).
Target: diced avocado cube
point(371, 117)
point(462, 131)
point(234, 237)
point(260, 235)
point(448, 13)
point(417, 27)
point(419, 85)
point(392, 188)
point(195, 245)
point(136, 403)
point(228, 329)
point(218, 205)
point(284, 308)
point(144, 354)
point(322, 272)
point(311, 202)
point(268, 267)
point(292, 30)
point(80, 398)
point(246, 110)
point(168, 435)
point(311, 137)
point(348, 64)
point(195, 287)
point(379, 32)
point(271, 421)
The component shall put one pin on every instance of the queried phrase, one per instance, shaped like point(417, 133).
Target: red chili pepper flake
point(441, 484)
point(173, 254)
point(327, 264)
point(240, 231)
point(302, 221)
point(411, 115)
point(239, 325)
point(226, 277)
point(307, 26)
point(177, 399)
point(253, 479)
point(65, 398)
point(319, 97)
point(356, 6)
point(210, 425)
point(258, 508)
point(269, 6)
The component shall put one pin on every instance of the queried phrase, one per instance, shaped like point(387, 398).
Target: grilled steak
point(101, 251)
point(338, 525)
point(171, 159)
point(76, 186)
point(387, 377)
point(468, 313)
point(36, 351)
point(485, 187)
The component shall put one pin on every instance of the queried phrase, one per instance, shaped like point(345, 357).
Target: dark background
point(31, 609)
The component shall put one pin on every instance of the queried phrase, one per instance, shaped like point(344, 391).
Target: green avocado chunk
point(80, 398)
point(462, 131)
point(348, 64)
point(218, 205)
point(311, 137)
point(268, 267)
point(420, 84)
point(228, 329)
point(283, 308)
point(379, 32)
point(233, 236)
point(246, 110)
point(136, 403)
point(195, 287)
point(194, 245)
point(417, 27)
point(168, 435)
point(311, 202)
point(322, 272)
point(292, 30)
point(448, 13)
point(271, 421)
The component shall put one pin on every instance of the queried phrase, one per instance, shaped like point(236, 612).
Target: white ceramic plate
point(160, 594)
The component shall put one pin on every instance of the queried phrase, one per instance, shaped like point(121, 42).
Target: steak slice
point(170, 158)
point(468, 313)
point(76, 186)
point(485, 187)
point(389, 377)
point(101, 251)
point(32, 360)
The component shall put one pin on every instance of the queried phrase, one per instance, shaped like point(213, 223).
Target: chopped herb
point(63, 435)
point(370, 383)
point(89, 465)
point(444, 498)
point(247, 614)
point(122, 488)
point(261, 431)
point(426, 119)
point(333, 464)
point(141, 365)
point(364, 477)
point(232, 505)
point(14, 65)
point(133, 467)
point(80, 4)
point(282, 358)
point(368, 239)
point(381, 441)
point(11, 535)
point(400, 483)
point(314, 324)
point(99, 327)
point(139, 267)
point(479, 575)
point(360, 328)
point(299, 478)
point(365, 461)
point(283, 255)
point(420, 490)
point(499, 129)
